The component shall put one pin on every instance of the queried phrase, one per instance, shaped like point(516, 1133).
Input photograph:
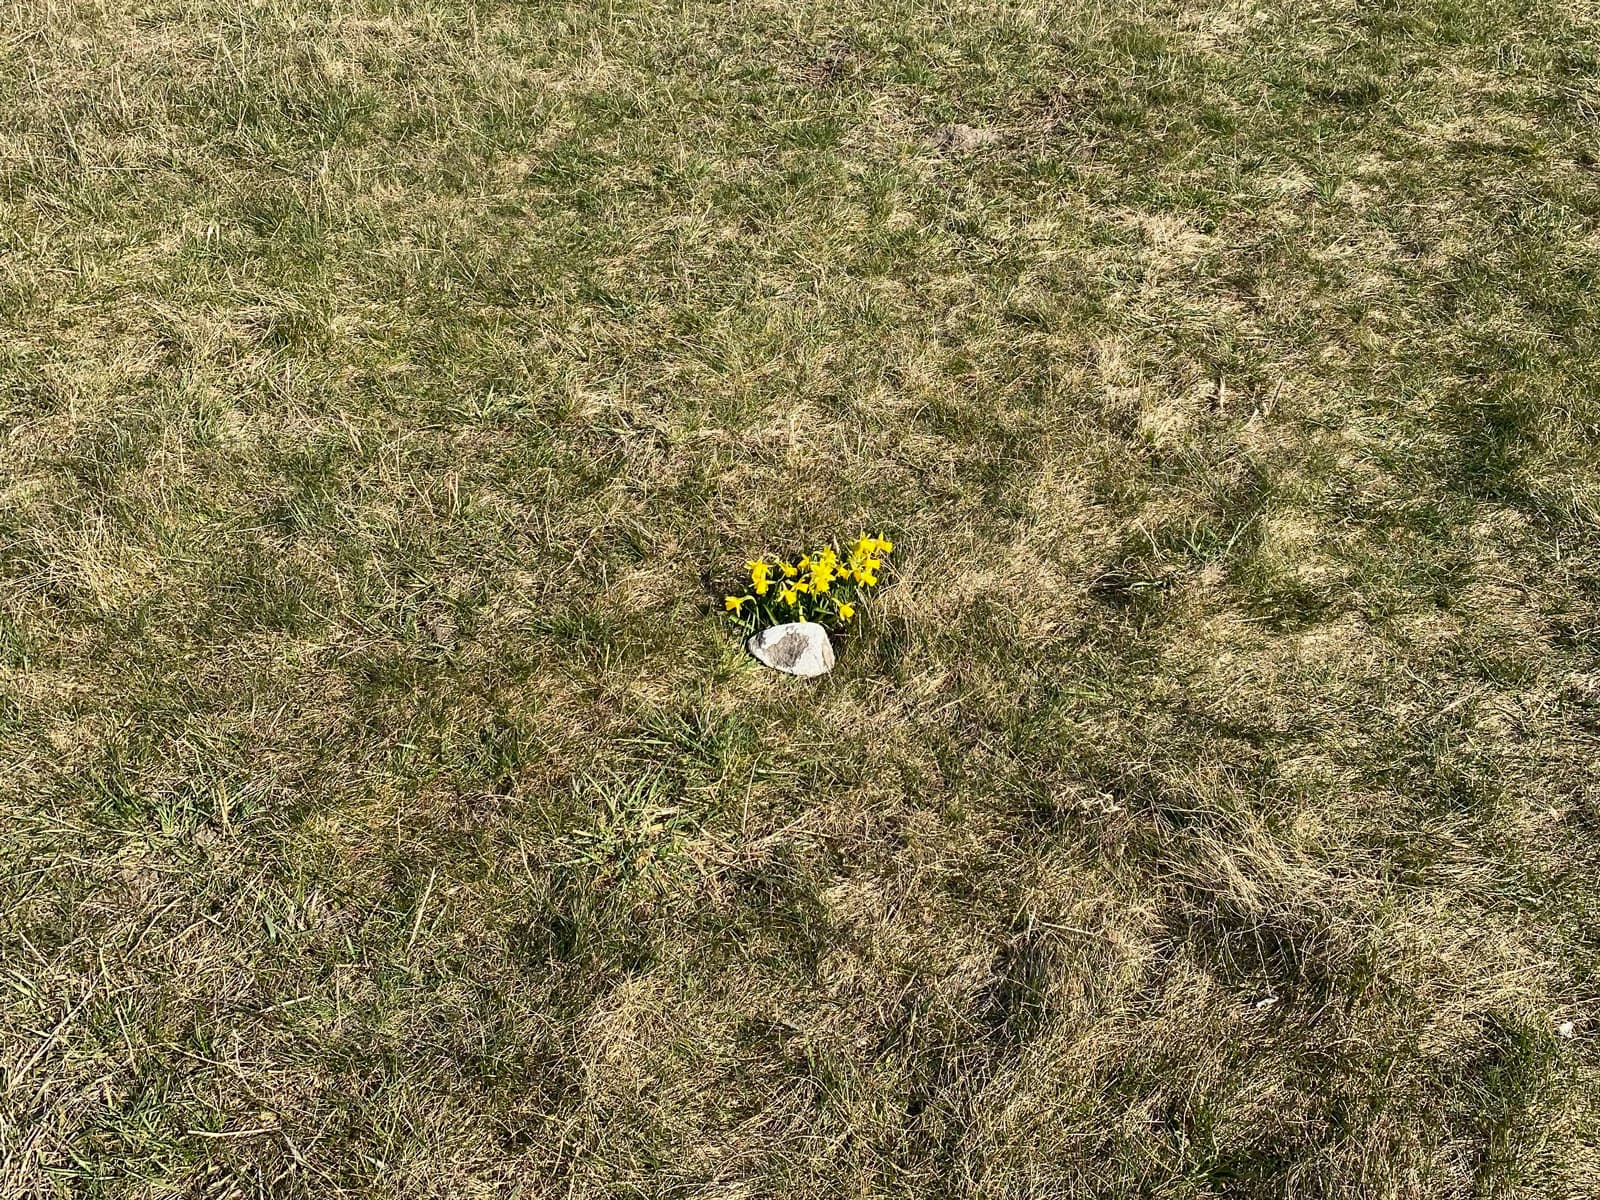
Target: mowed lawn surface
point(1208, 806)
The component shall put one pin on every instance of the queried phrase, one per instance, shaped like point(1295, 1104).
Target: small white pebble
point(1567, 1029)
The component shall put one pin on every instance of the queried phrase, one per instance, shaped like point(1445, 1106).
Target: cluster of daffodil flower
point(822, 586)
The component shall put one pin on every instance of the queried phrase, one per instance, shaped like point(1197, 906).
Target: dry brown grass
point(1207, 809)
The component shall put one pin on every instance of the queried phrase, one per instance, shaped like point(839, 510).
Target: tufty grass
point(1209, 807)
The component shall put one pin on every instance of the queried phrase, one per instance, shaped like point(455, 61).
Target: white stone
point(799, 648)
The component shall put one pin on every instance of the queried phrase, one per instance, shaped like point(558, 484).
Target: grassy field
point(1209, 806)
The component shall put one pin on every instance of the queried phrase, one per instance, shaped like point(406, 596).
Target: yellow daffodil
point(837, 578)
point(759, 573)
